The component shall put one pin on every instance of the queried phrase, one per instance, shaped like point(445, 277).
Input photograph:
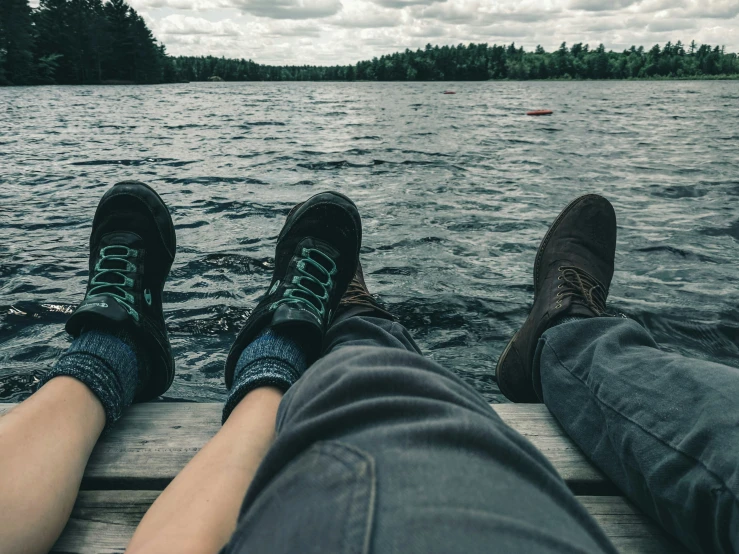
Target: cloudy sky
point(346, 31)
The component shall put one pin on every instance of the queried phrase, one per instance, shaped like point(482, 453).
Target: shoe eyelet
point(558, 306)
point(559, 268)
point(559, 286)
point(559, 294)
point(559, 278)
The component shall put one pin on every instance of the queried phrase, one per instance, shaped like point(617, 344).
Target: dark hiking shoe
point(132, 247)
point(358, 300)
point(572, 274)
point(316, 257)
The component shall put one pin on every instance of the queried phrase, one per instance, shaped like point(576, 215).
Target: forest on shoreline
point(106, 41)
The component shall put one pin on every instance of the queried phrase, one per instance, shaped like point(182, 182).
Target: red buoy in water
point(540, 112)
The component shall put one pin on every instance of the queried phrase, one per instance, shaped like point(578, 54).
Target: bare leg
point(44, 446)
point(197, 512)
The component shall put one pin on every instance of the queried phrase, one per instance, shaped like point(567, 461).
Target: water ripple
point(454, 195)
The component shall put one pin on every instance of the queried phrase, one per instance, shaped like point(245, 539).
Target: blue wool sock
point(272, 359)
point(107, 364)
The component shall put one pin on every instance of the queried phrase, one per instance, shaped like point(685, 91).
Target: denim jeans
point(663, 427)
point(381, 450)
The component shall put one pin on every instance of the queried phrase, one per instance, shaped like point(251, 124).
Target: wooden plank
point(151, 444)
point(628, 528)
point(536, 423)
point(104, 521)
point(154, 441)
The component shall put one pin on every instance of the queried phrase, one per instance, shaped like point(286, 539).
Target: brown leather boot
point(572, 274)
point(358, 300)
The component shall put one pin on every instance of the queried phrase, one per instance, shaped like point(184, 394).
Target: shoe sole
point(500, 363)
point(537, 264)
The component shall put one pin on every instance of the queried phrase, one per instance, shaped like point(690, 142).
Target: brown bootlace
point(356, 294)
point(579, 283)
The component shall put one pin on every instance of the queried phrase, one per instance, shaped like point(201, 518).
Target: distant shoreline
point(552, 79)
point(115, 46)
point(506, 80)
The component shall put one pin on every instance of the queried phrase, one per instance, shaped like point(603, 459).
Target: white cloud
point(185, 5)
point(601, 5)
point(366, 15)
point(345, 31)
point(651, 6)
point(292, 30)
point(719, 9)
point(177, 24)
point(475, 12)
point(426, 29)
point(666, 25)
point(288, 9)
point(404, 3)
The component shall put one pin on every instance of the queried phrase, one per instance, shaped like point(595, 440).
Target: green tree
point(54, 38)
point(16, 42)
point(91, 41)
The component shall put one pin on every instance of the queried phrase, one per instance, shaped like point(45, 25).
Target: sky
point(328, 32)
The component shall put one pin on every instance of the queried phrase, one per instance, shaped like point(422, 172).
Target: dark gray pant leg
point(381, 450)
point(663, 427)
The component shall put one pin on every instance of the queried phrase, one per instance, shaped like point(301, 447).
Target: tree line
point(480, 62)
point(98, 41)
point(78, 42)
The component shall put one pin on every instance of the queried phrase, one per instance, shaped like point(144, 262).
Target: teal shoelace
point(312, 286)
point(111, 277)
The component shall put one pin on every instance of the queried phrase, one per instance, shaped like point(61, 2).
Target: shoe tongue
point(122, 238)
point(286, 252)
point(310, 242)
point(595, 267)
point(359, 276)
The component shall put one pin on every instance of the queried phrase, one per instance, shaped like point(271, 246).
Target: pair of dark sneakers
point(318, 277)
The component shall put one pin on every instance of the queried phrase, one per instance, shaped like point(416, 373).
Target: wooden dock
point(131, 465)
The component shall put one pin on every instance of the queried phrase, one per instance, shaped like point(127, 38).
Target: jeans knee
point(375, 381)
point(368, 331)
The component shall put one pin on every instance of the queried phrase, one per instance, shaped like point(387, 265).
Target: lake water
point(455, 193)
